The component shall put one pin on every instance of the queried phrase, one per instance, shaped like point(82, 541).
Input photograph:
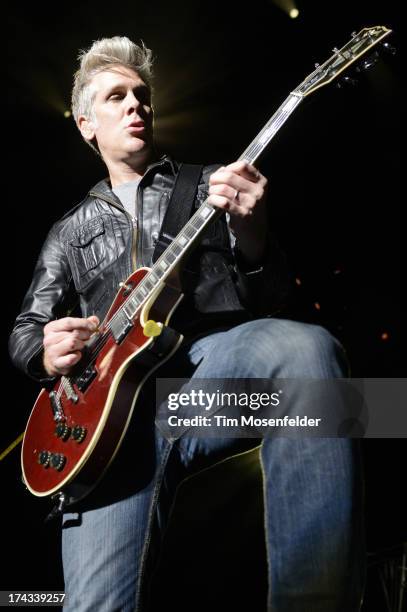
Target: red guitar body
point(68, 449)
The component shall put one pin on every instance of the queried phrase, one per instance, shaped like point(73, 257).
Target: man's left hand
point(240, 189)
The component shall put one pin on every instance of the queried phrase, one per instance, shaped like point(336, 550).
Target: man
point(312, 486)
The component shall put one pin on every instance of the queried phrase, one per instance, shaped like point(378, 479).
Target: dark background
point(336, 199)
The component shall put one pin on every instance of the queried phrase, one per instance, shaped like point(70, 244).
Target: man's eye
point(115, 96)
point(146, 99)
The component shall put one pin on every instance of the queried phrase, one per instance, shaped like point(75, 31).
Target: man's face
point(123, 113)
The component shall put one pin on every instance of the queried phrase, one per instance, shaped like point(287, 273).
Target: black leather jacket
point(94, 246)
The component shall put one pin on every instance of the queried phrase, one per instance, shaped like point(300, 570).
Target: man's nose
point(132, 102)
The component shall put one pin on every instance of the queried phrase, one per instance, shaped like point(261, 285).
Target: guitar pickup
point(120, 326)
point(84, 379)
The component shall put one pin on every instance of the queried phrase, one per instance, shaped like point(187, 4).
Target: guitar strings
point(277, 120)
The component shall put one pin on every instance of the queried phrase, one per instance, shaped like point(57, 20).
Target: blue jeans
point(313, 489)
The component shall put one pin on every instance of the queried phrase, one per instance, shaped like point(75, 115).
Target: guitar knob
point(44, 457)
point(78, 433)
point(62, 431)
point(127, 288)
point(57, 461)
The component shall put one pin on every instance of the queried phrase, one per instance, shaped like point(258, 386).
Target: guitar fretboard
point(202, 218)
point(206, 214)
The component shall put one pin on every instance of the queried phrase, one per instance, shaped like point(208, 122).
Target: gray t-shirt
point(127, 194)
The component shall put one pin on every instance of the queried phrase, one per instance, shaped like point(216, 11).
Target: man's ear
point(87, 127)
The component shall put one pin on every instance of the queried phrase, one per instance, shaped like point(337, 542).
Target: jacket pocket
point(88, 246)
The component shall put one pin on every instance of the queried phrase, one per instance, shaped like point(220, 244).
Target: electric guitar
point(75, 429)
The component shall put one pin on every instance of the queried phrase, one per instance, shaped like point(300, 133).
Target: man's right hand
point(64, 340)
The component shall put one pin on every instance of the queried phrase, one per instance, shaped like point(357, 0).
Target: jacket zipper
point(138, 219)
point(134, 238)
point(135, 221)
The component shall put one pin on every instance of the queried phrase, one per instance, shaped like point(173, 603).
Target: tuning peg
point(346, 81)
point(316, 65)
point(335, 50)
point(388, 48)
point(368, 62)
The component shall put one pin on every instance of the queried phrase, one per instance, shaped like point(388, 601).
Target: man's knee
point(310, 339)
point(293, 348)
point(312, 349)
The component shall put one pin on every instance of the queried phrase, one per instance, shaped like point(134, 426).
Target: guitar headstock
point(359, 46)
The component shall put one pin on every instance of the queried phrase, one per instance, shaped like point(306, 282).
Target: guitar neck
point(257, 147)
point(191, 233)
point(205, 215)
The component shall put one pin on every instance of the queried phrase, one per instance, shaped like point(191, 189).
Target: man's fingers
point(232, 208)
point(223, 190)
point(65, 347)
point(242, 168)
point(233, 198)
point(64, 340)
point(226, 177)
point(69, 345)
point(94, 320)
point(62, 356)
point(245, 182)
point(62, 365)
point(51, 338)
point(221, 201)
point(72, 323)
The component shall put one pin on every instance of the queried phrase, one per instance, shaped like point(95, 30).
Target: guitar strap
point(180, 206)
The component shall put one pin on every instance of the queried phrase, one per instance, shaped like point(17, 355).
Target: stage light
point(288, 6)
point(67, 114)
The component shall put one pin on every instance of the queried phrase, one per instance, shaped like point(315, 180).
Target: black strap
point(180, 206)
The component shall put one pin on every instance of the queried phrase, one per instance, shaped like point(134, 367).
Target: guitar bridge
point(56, 406)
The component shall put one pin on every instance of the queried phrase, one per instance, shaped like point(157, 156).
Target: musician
point(314, 534)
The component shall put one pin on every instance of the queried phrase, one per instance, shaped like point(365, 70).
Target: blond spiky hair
point(103, 54)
